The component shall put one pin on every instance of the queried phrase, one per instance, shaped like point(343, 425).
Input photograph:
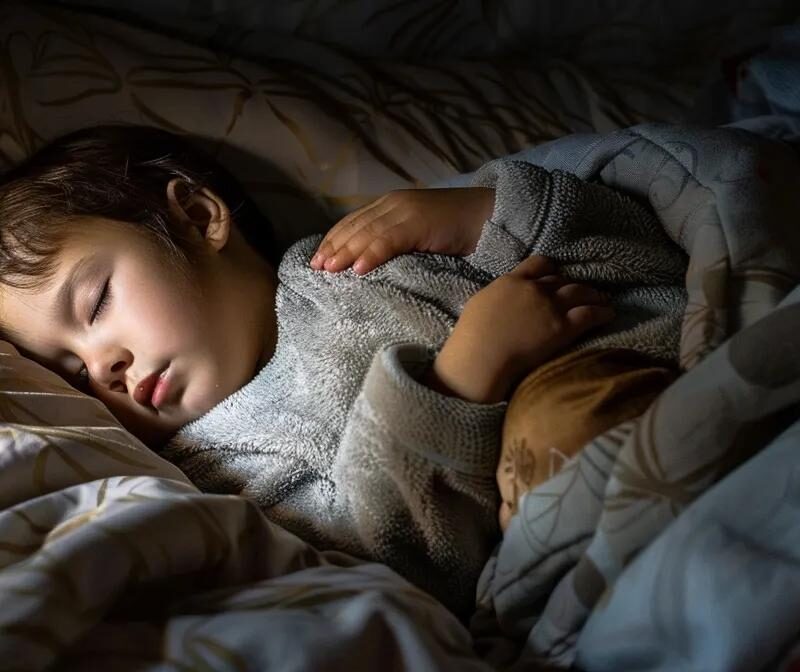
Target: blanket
point(111, 560)
point(669, 543)
point(569, 582)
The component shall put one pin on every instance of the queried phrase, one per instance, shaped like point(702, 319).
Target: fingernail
point(330, 263)
point(360, 266)
point(315, 259)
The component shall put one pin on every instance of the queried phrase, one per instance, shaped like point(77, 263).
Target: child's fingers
point(381, 249)
point(553, 282)
point(380, 242)
point(369, 247)
point(535, 266)
point(329, 241)
point(583, 318)
point(333, 239)
point(344, 229)
point(575, 294)
point(344, 256)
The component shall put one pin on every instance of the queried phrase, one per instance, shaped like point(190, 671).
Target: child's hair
point(118, 172)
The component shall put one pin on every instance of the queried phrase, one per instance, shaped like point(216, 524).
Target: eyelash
point(102, 302)
point(97, 311)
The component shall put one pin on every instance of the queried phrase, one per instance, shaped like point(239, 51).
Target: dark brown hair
point(117, 172)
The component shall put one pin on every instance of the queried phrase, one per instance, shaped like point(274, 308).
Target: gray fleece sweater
point(337, 440)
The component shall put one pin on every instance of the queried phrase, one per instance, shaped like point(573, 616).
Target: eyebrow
point(65, 299)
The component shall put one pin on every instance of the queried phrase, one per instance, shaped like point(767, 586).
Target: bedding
point(758, 87)
point(731, 200)
point(678, 39)
point(111, 559)
point(310, 131)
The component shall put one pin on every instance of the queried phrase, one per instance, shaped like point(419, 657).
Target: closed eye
point(99, 308)
point(102, 302)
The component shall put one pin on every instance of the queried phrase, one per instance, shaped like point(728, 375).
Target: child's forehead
point(30, 310)
point(33, 317)
point(81, 244)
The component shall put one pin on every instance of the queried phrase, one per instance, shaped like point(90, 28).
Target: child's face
point(206, 332)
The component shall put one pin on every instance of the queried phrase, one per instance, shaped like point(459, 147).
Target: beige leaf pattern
point(110, 558)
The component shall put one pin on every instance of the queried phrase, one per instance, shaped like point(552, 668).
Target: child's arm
point(511, 326)
point(418, 455)
point(494, 223)
point(443, 221)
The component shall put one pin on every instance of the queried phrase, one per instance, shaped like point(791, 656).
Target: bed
point(660, 547)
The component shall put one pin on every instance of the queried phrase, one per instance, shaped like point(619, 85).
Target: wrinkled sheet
point(717, 586)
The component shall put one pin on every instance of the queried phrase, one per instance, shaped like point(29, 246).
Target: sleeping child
point(353, 386)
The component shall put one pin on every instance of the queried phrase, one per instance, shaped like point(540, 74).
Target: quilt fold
point(731, 200)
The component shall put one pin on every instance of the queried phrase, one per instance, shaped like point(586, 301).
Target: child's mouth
point(152, 390)
point(160, 390)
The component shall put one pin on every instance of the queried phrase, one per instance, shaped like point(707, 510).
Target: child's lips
point(151, 391)
point(160, 391)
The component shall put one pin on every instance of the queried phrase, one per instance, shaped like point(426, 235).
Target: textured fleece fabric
point(338, 442)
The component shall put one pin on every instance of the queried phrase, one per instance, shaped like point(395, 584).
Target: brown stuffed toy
point(564, 404)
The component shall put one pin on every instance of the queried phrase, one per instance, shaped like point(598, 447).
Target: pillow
point(53, 437)
point(310, 132)
point(561, 406)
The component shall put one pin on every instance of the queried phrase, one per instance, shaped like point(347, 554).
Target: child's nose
point(117, 382)
point(109, 371)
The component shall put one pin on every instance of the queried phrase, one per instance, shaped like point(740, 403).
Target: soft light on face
point(120, 311)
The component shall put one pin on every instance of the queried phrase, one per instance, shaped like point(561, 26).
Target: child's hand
point(511, 326)
point(445, 221)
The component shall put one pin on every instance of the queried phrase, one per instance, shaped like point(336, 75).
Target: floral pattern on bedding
point(109, 558)
point(311, 132)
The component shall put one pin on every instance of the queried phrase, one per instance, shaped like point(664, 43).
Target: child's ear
point(203, 210)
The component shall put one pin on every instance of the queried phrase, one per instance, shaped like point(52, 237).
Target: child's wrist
point(455, 381)
point(484, 213)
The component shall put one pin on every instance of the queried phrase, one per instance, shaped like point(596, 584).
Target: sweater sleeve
point(523, 200)
point(417, 470)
